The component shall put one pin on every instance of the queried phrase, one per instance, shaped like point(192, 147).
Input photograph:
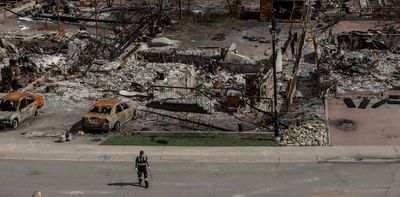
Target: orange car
point(17, 107)
point(109, 115)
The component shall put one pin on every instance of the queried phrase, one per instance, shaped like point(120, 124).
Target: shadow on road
point(4, 128)
point(121, 184)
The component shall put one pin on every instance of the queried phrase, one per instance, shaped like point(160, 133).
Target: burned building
point(374, 8)
point(286, 10)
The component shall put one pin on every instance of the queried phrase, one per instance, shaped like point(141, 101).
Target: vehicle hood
point(6, 114)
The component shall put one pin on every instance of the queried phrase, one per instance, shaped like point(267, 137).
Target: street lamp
point(274, 31)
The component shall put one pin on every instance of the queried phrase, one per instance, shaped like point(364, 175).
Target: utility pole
point(161, 7)
point(190, 12)
point(97, 25)
point(180, 9)
point(58, 15)
point(274, 31)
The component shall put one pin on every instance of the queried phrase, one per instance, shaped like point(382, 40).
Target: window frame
point(117, 108)
point(20, 104)
point(125, 106)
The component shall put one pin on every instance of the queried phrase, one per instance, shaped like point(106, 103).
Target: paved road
point(68, 178)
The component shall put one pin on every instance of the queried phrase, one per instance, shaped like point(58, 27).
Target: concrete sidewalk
point(68, 152)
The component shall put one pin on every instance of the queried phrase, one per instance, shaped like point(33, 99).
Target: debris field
point(204, 66)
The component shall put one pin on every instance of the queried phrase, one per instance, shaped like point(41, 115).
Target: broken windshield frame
point(101, 110)
point(6, 105)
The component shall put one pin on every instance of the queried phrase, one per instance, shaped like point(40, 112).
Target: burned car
point(18, 107)
point(109, 115)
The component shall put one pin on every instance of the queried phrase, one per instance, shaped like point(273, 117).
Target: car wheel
point(14, 123)
point(117, 126)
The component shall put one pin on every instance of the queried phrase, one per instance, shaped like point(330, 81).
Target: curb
point(342, 154)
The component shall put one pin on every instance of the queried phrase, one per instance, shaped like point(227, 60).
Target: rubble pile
point(221, 79)
point(104, 78)
point(304, 111)
point(126, 58)
point(136, 77)
point(199, 56)
point(211, 58)
point(70, 91)
point(387, 38)
point(362, 70)
point(307, 134)
point(26, 59)
point(20, 72)
point(7, 49)
point(259, 39)
point(142, 74)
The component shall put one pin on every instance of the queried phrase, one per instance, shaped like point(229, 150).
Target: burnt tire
point(117, 126)
point(14, 123)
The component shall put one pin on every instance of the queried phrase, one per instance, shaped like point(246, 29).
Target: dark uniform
point(140, 165)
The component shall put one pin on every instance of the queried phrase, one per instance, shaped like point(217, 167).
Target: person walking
point(141, 165)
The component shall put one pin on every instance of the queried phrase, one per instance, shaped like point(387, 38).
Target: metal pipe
point(97, 26)
point(58, 15)
point(180, 9)
point(274, 31)
point(77, 19)
point(276, 129)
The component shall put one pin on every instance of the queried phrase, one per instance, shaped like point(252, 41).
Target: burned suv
point(108, 115)
point(18, 107)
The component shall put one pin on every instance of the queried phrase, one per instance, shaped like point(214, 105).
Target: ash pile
point(366, 63)
point(76, 69)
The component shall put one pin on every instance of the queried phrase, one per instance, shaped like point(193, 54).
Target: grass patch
point(185, 141)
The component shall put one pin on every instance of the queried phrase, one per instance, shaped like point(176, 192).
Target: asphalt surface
point(106, 178)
